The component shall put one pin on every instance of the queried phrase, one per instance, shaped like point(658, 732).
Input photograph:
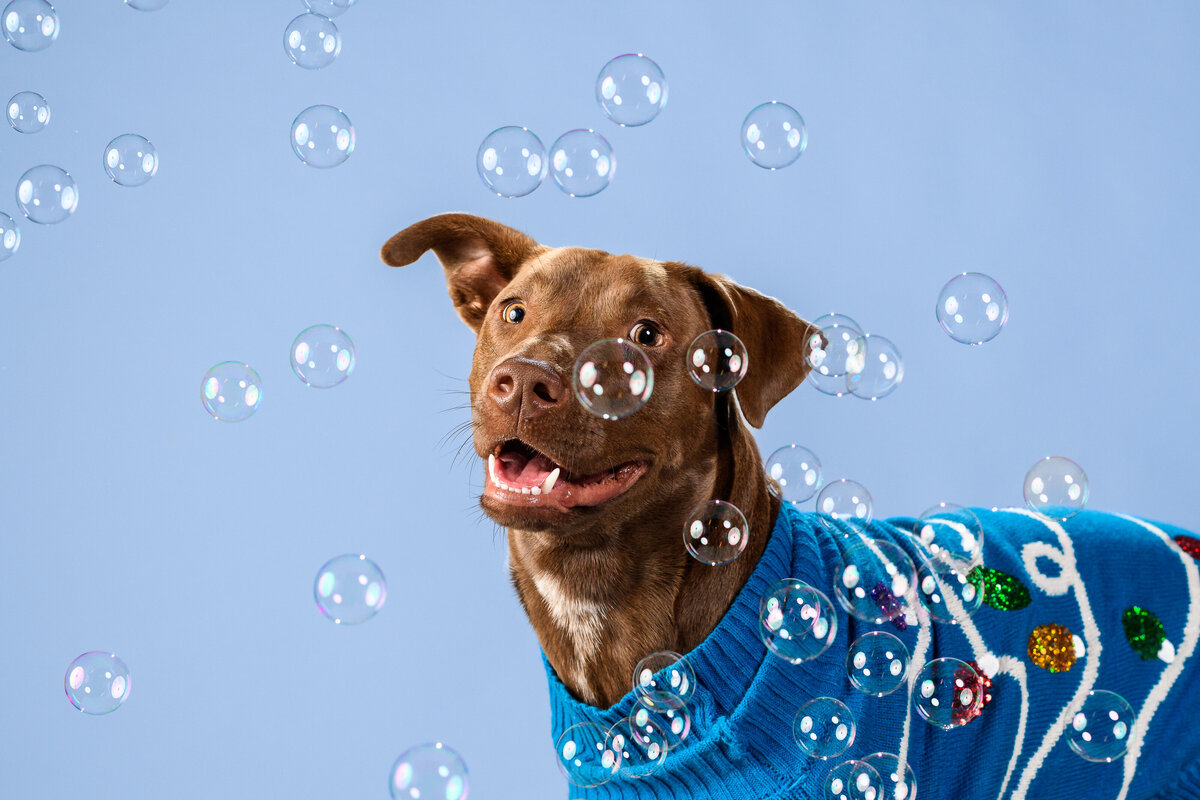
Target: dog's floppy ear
point(775, 340)
point(480, 257)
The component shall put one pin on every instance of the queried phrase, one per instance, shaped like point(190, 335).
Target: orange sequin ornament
point(1052, 647)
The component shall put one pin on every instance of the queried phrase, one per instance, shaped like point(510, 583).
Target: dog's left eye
point(514, 312)
point(646, 334)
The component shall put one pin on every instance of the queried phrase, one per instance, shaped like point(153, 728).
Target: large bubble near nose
point(613, 378)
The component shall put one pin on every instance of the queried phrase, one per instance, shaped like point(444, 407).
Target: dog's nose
point(528, 388)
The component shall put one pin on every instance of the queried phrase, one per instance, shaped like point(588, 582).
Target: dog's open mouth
point(520, 474)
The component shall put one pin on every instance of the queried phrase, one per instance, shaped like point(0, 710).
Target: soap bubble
point(429, 771)
point(773, 135)
point(824, 727)
point(836, 347)
point(947, 693)
point(29, 25)
point(1099, 729)
point(146, 5)
point(877, 663)
point(944, 587)
point(853, 780)
point(844, 506)
point(231, 391)
point(350, 589)
point(613, 378)
point(97, 682)
point(899, 783)
point(47, 194)
point(27, 112)
point(795, 473)
point(130, 160)
point(322, 136)
point(582, 162)
point(717, 360)
point(672, 724)
point(312, 41)
point(585, 756)
point(951, 534)
point(664, 680)
point(10, 236)
point(322, 356)
point(797, 622)
point(825, 384)
point(881, 372)
point(715, 532)
point(631, 89)
point(972, 308)
point(1056, 487)
point(874, 581)
point(329, 8)
point(639, 755)
point(512, 161)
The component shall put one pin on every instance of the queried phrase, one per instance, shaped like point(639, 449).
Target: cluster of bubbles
point(589, 755)
point(321, 356)
point(844, 360)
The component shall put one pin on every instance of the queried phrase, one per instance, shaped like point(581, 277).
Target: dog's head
point(552, 465)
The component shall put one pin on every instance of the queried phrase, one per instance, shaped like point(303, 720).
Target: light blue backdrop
point(1051, 146)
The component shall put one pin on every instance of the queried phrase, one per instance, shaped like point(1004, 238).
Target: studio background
point(1051, 146)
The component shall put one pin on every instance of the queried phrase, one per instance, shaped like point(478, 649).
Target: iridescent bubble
point(146, 5)
point(824, 727)
point(642, 752)
point(29, 25)
point(97, 682)
point(10, 236)
point(329, 8)
point(946, 593)
point(312, 41)
point(582, 162)
point(826, 384)
point(877, 663)
point(613, 378)
point(350, 589)
point(585, 756)
point(231, 391)
point(322, 136)
point(1099, 729)
point(673, 724)
point(947, 693)
point(794, 472)
point(797, 622)
point(972, 308)
point(1056, 487)
point(715, 532)
point(717, 360)
point(899, 783)
point(27, 112)
point(773, 135)
point(664, 680)
point(845, 506)
point(47, 194)
point(631, 89)
point(322, 356)
point(875, 581)
point(429, 771)
point(512, 161)
point(881, 372)
point(130, 160)
point(836, 347)
point(853, 780)
point(951, 534)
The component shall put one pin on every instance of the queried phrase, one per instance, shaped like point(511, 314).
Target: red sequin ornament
point(1189, 545)
point(981, 683)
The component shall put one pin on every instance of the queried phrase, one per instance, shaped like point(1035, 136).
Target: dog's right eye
point(514, 312)
point(646, 334)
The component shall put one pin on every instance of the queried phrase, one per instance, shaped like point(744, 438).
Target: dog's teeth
point(548, 484)
point(536, 490)
point(524, 490)
point(492, 467)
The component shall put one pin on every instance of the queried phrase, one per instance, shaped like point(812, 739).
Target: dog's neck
point(599, 610)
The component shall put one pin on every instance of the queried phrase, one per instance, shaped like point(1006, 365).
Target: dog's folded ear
point(775, 340)
point(480, 257)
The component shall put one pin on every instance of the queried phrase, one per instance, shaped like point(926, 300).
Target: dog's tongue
point(520, 470)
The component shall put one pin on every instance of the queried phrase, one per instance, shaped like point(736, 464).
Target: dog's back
point(1093, 581)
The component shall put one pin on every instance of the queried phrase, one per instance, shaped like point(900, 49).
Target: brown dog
point(595, 508)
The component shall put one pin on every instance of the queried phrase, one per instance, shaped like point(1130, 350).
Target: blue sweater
point(1083, 574)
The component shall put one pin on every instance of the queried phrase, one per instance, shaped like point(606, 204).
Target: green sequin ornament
point(1144, 632)
point(1001, 591)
